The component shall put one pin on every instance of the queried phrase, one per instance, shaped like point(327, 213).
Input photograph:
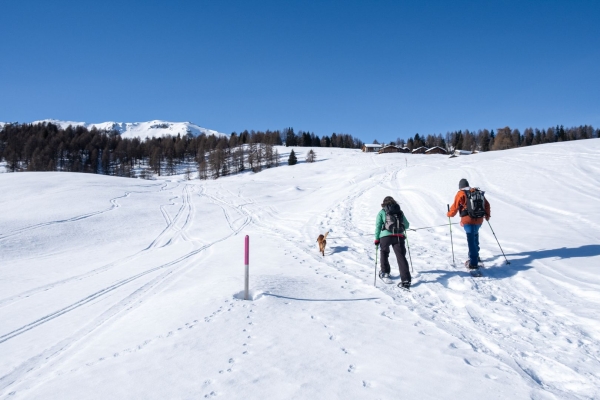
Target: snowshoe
point(385, 277)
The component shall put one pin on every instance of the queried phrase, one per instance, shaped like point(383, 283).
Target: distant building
point(369, 148)
point(436, 150)
point(389, 149)
point(420, 150)
point(404, 149)
point(462, 152)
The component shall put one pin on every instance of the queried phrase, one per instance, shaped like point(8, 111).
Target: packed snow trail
point(136, 278)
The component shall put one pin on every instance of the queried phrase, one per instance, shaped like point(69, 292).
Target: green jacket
point(380, 222)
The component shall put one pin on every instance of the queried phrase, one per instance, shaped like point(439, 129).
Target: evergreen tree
point(292, 160)
point(290, 138)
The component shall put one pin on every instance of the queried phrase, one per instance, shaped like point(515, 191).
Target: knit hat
point(463, 183)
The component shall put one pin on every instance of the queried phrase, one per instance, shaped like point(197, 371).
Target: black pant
point(397, 244)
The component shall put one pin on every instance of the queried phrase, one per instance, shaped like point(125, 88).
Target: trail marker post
point(247, 266)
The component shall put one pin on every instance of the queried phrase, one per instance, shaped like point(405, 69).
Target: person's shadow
point(589, 250)
point(519, 262)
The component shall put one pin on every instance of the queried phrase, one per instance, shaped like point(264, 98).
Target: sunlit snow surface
point(122, 288)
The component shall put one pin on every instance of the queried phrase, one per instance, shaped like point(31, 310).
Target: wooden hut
point(370, 148)
point(420, 150)
point(389, 149)
point(436, 150)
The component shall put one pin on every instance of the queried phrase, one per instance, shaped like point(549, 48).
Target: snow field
point(112, 287)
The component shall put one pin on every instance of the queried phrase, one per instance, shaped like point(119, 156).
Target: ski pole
point(429, 227)
point(508, 262)
point(375, 277)
point(409, 257)
point(451, 241)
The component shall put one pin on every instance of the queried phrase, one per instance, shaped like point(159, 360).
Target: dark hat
point(463, 183)
point(389, 200)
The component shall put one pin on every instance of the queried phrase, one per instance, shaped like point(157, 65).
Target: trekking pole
point(375, 277)
point(409, 257)
point(451, 241)
point(508, 262)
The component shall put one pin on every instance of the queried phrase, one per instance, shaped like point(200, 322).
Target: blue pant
point(473, 242)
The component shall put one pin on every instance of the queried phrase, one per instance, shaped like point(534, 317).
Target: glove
point(487, 217)
point(376, 242)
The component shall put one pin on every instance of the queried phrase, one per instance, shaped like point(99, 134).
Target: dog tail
point(325, 236)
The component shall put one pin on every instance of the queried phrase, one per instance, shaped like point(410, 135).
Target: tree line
point(502, 139)
point(47, 147)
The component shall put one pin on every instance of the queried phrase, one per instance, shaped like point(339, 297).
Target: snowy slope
point(120, 288)
point(142, 130)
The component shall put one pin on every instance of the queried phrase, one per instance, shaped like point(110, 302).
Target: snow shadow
point(589, 250)
point(500, 272)
point(301, 299)
point(338, 249)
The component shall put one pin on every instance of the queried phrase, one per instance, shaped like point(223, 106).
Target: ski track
point(468, 308)
point(104, 268)
point(168, 272)
point(114, 205)
point(517, 351)
point(472, 310)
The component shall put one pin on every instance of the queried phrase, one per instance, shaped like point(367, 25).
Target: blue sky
point(374, 69)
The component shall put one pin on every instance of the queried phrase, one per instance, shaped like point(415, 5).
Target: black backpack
point(475, 203)
point(394, 219)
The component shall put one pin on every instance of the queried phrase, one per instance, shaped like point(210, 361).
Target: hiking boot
point(469, 266)
point(406, 284)
point(383, 275)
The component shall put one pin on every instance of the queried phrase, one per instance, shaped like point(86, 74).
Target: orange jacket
point(460, 204)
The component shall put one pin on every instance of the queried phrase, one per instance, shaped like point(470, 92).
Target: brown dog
point(322, 242)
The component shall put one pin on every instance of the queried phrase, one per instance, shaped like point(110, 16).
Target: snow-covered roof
point(435, 147)
point(462, 152)
point(373, 145)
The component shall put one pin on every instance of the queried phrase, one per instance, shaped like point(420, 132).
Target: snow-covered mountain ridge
point(143, 130)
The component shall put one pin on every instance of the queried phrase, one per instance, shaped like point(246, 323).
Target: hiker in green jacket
point(390, 226)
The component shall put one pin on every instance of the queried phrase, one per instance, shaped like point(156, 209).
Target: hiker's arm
point(405, 221)
point(488, 213)
point(455, 206)
point(378, 225)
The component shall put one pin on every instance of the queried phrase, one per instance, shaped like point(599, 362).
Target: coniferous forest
point(502, 139)
point(47, 147)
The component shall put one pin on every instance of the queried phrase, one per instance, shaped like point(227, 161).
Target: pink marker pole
point(247, 265)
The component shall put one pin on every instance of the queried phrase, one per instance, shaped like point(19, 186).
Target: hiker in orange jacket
point(470, 224)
